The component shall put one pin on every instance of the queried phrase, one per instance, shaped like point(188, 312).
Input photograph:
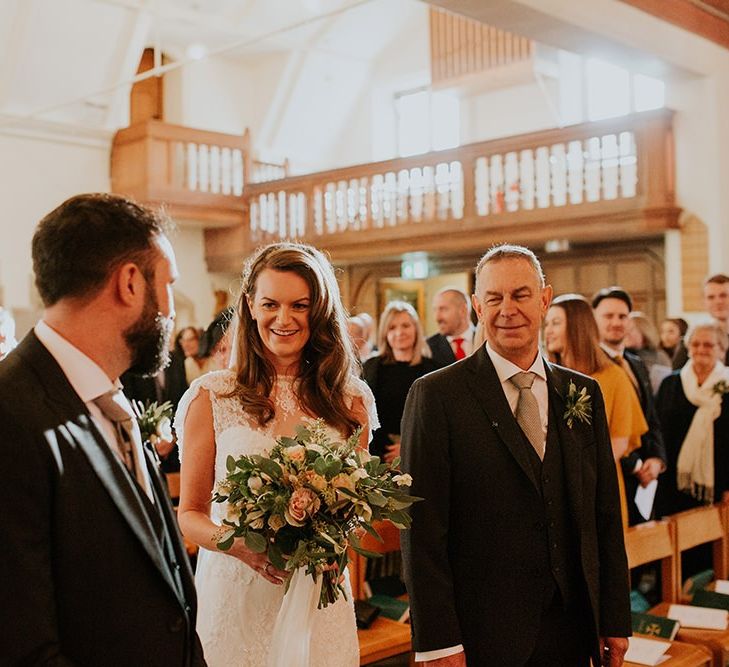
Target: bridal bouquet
point(303, 502)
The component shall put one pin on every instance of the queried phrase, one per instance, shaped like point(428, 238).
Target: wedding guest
point(454, 340)
point(572, 340)
point(357, 330)
point(94, 569)
point(369, 330)
point(612, 307)
point(641, 338)
point(403, 357)
point(214, 348)
point(673, 330)
point(187, 342)
point(716, 300)
point(501, 560)
point(694, 413)
point(7, 332)
point(293, 361)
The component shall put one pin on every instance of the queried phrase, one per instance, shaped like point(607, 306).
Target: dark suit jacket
point(144, 389)
point(469, 552)
point(651, 442)
point(86, 578)
point(443, 354)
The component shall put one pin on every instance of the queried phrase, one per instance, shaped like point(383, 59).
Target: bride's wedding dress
point(237, 608)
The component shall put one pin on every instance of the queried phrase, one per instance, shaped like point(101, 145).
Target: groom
point(516, 557)
point(94, 570)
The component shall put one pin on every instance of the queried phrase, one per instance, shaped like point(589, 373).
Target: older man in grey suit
point(516, 556)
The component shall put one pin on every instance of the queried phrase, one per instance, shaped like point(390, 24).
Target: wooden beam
point(706, 18)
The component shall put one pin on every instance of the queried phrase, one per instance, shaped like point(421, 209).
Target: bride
point(292, 362)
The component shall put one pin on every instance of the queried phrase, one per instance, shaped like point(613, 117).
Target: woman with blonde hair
point(403, 356)
point(572, 340)
point(292, 362)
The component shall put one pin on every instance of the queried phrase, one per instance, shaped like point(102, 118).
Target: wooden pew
point(655, 541)
point(694, 527)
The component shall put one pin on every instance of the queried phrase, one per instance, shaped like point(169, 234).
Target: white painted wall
point(36, 175)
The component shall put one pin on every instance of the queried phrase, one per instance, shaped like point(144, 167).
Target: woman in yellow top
point(572, 340)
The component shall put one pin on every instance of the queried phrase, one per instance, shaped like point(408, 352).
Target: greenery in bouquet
point(303, 502)
point(155, 421)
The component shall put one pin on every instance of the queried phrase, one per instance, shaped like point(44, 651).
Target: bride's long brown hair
point(328, 359)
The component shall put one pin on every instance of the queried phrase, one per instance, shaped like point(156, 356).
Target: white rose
point(164, 429)
point(358, 474)
point(255, 484)
point(296, 453)
point(403, 480)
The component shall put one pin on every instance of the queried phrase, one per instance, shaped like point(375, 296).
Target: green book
point(397, 610)
point(698, 581)
point(654, 626)
point(710, 599)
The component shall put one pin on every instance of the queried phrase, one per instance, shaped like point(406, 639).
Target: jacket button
point(188, 609)
point(177, 624)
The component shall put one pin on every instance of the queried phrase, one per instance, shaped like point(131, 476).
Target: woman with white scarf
point(694, 415)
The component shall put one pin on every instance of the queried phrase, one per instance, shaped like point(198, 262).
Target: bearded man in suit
point(95, 569)
point(516, 556)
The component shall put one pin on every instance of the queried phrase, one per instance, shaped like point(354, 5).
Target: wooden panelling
point(460, 46)
point(694, 262)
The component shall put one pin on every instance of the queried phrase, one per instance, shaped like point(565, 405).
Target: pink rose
point(302, 504)
point(296, 453)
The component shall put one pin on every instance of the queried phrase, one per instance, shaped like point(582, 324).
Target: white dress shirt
point(89, 381)
point(505, 370)
point(467, 336)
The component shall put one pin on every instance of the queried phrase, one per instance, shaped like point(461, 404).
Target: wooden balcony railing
point(594, 181)
point(198, 175)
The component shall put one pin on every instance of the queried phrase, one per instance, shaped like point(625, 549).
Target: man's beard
point(148, 339)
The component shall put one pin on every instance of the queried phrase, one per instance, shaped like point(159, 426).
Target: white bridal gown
point(237, 608)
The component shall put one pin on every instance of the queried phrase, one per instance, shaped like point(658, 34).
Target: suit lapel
point(571, 445)
point(485, 385)
point(72, 414)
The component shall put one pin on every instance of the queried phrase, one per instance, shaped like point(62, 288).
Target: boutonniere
point(578, 405)
point(720, 388)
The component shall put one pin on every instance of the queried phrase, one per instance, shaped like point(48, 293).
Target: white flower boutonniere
point(578, 405)
point(720, 388)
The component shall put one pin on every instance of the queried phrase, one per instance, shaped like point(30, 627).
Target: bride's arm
point(196, 488)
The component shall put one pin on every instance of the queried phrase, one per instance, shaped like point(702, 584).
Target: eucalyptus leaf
point(227, 543)
point(255, 542)
point(377, 499)
point(230, 463)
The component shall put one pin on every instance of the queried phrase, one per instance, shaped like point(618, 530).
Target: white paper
point(721, 586)
point(644, 497)
point(646, 651)
point(701, 618)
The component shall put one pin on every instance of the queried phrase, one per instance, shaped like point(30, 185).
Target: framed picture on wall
point(410, 291)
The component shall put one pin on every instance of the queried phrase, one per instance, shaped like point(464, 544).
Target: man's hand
point(612, 651)
point(456, 660)
point(649, 471)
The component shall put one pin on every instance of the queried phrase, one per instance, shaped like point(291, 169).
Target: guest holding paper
point(694, 414)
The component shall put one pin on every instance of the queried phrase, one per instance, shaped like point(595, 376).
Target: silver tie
point(527, 411)
point(111, 405)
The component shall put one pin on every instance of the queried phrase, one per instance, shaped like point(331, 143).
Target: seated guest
point(454, 340)
point(694, 414)
point(641, 338)
point(572, 340)
point(7, 332)
point(403, 357)
point(673, 329)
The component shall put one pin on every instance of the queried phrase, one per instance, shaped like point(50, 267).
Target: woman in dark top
point(403, 357)
point(693, 410)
